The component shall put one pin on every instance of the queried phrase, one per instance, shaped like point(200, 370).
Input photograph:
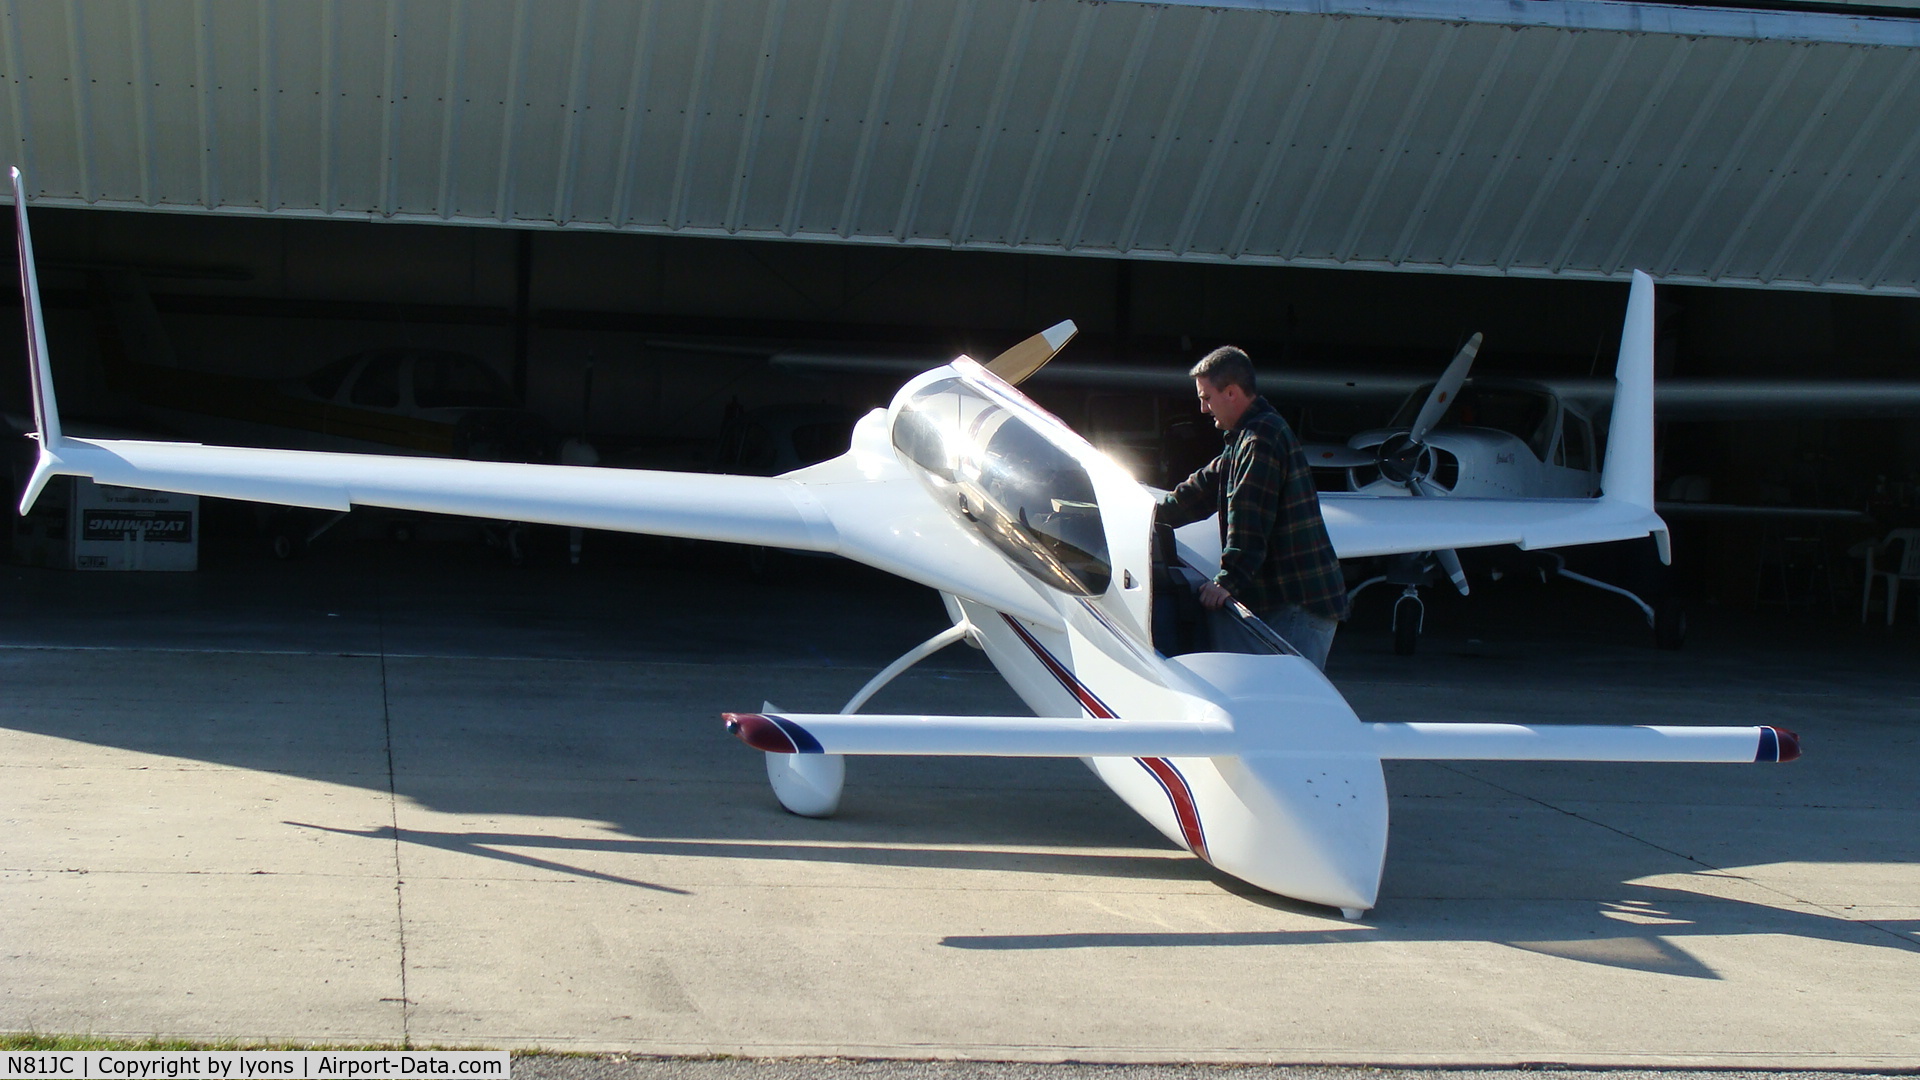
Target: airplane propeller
point(1021, 361)
point(1404, 457)
point(1444, 390)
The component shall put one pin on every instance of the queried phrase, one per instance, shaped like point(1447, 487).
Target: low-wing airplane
point(1046, 552)
point(1479, 438)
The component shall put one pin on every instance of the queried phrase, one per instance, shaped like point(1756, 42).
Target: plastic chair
point(1901, 550)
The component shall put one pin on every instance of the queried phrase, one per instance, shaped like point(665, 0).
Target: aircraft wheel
point(1406, 625)
point(1669, 623)
point(286, 539)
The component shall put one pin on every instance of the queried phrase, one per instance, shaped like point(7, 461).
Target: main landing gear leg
point(810, 784)
point(1667, 617)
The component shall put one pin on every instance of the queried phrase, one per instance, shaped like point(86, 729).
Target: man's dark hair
point(1223, 367)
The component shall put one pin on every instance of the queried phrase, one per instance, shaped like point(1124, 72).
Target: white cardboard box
point(81, 525)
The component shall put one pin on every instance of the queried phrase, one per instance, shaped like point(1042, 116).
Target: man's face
point(1224, 403)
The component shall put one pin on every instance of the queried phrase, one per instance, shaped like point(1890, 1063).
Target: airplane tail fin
point(1627, 474)
point(46, 412)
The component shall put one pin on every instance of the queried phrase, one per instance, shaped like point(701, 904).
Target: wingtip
point(43, 471)
point(759, 732)
point(1777, 744)
point(1059, 333)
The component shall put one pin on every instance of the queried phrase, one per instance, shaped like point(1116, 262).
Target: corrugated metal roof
point(1566, 137)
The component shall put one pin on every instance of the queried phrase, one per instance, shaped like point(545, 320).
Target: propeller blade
point(1335, 456)
point(1445, 389)
point(1449, 560)
point(1031, 355)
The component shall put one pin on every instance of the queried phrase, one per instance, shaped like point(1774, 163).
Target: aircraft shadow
point(511, 848)
point(464, 740)
point(1636, 935)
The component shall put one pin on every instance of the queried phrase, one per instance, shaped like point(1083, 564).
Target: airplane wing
point(1624, 510)
point(1362, 525)
point(863, 505)
point(828, 508)
point(976, 736)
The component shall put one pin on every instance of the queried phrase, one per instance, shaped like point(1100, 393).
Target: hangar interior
point(633, 214)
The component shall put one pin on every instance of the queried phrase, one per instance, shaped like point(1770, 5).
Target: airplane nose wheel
point(1409, 614)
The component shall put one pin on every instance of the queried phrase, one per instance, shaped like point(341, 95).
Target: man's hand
point(1213, 597)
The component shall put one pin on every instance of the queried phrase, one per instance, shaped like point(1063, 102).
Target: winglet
point(46, 413)
point(1627, 475)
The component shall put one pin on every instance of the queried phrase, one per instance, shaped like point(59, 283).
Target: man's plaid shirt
point(1275, 549)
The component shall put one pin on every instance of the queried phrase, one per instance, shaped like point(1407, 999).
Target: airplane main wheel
point(1406, 625)
point(285, 538)
point(1669, 623)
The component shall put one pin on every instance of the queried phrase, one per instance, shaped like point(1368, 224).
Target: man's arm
point(1193, 498)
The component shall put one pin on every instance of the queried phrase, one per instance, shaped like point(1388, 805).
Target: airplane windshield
point(1525, 414)
point(1008, 482)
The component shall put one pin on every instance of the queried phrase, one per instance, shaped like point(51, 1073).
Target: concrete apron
point(474, 851)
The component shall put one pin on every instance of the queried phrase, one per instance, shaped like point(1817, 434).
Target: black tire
point(1406, 625)
point(286, 536)
point(1669, 623)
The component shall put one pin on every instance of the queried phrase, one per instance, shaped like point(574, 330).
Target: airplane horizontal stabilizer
point(1583, 742)
point(980, 736)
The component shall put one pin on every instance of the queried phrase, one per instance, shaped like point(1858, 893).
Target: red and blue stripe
point(1179, 793)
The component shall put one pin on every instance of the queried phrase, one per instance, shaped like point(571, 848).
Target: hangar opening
point(662, 237)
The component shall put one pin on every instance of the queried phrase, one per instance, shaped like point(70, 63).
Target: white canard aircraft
point(1048, 559)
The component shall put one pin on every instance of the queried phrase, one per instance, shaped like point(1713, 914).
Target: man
point(1276, 557)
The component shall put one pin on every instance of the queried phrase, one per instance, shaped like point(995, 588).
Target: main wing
point(863, 505)
point(1362, 525)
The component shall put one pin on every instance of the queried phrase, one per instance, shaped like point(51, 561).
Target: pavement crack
point(393, 810)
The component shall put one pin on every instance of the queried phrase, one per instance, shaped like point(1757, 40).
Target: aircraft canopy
point(1004, 478)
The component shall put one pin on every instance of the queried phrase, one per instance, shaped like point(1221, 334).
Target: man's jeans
point(1311, 635)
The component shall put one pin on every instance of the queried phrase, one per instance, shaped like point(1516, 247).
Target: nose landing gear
point(1409, 618)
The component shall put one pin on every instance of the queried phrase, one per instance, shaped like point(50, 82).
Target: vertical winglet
point(1627, 475)
point(46, 413)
